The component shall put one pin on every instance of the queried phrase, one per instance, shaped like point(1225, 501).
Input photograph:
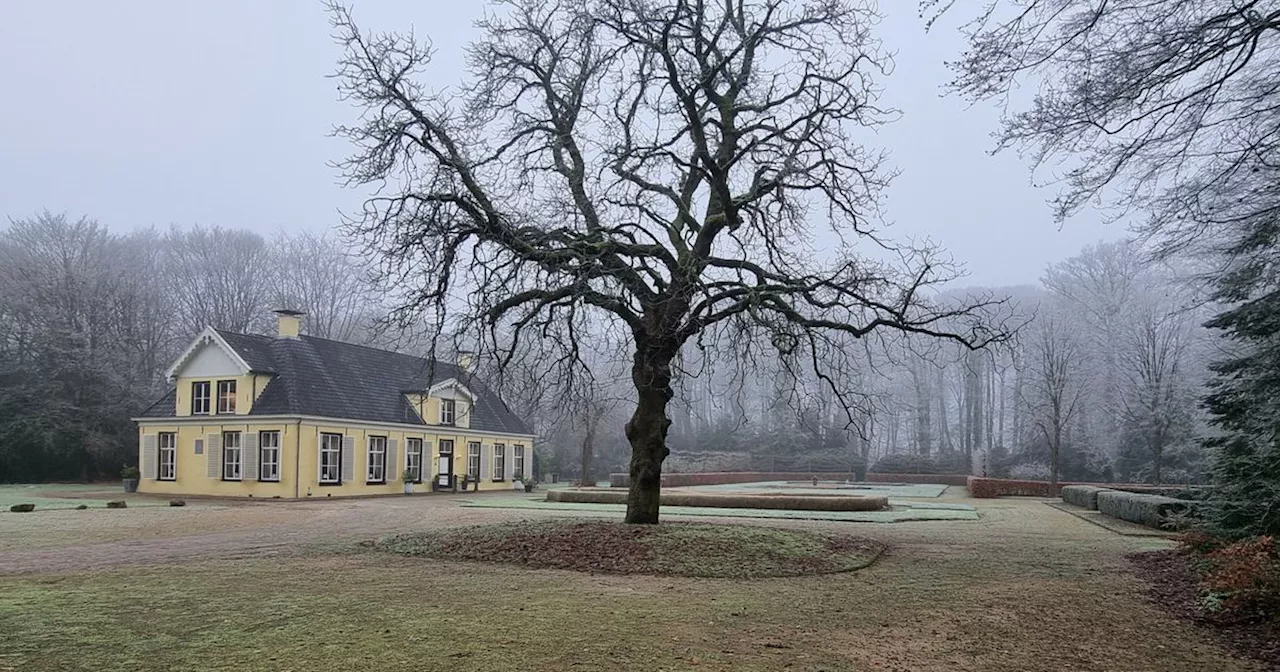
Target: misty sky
point(151, 112)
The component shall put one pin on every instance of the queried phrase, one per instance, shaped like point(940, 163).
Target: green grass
point(676, 549)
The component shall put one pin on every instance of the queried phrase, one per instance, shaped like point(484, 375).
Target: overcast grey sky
point(151, 112)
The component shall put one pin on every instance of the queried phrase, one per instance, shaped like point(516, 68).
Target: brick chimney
point(288, 323)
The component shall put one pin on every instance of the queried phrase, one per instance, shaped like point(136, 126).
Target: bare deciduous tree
point(218, 277)
point(319, 275)
point(662, 162)
point(1056, 384)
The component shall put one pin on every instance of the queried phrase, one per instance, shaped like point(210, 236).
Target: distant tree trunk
point(924, 429)
point(944, 428)
point(588, 450)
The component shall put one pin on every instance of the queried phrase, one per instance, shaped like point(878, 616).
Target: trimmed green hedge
point(1081, 495)
point(1150, 510)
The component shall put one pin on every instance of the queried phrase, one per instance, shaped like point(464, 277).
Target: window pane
point(377, 460)
point(330, 458)
point(269, 456)
point(226, 396)
point(200, 398)
point(231, 456)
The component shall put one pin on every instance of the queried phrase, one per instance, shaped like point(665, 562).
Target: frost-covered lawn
point(288, 586)
point(66, 496)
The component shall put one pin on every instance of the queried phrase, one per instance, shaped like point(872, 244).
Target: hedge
point(671, 480)
point(1082, 495)
point(982, 487)
point(1150, 510)
point(985, 488)
point(736, 501)
point(933, 479)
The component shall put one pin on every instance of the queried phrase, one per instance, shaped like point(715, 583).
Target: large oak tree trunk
point(647, 431)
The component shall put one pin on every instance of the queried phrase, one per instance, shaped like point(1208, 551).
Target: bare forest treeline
point(1101, 382)
point(90, 319)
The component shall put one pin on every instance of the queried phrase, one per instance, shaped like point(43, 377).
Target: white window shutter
point(249, 456)
point(509, 461)
point(349, 458)
point(486, 461)
point(319, 461)
point(213, 455)
point(150, 465)
point(393, 467)
point(429, 464)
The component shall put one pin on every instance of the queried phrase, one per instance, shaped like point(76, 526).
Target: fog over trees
point(621, 213)
point(1106, 371)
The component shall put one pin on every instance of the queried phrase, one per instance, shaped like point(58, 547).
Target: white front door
point(446, 470)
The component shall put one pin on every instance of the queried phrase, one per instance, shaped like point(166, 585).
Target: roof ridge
point(381, 350)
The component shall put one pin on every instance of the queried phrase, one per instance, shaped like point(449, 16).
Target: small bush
point(1243, 581)
point(22, 508)
point(1199, 542)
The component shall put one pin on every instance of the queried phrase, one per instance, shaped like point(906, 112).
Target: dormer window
point(200, 398)
point(226, 396)
point(448, 411)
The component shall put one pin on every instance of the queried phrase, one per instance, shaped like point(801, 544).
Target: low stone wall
point(618, 480)
point(731, 500)
point(1082, 495)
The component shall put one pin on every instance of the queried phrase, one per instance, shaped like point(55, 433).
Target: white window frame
point(232, 456)
point(375, 460)
point(269, 456)
point(230, 408)
point(330, 470)
point(451, 406)
point(499, 462)
point(413, 458)
point(473, 460)
point(168, 455)
point(197, 408)
point(517, 461)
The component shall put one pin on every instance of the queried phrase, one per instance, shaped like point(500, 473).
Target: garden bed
point(676, 549)
point(754, 500)
point(1176, 586)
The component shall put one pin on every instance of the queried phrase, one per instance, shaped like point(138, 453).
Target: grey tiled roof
point(317, 376)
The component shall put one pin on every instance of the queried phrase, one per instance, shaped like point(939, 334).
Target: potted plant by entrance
point(406, 477)
point(528, 484)
point(130, 477)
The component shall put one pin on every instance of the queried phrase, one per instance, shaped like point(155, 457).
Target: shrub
point(986, 488)
point(1081, 495)
point(1199, 542)
point(1150, 510)
point(1243, 581)
point(1030, 472)
point(129, 472)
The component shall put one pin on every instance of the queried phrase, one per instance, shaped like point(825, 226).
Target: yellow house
point(293, 416)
